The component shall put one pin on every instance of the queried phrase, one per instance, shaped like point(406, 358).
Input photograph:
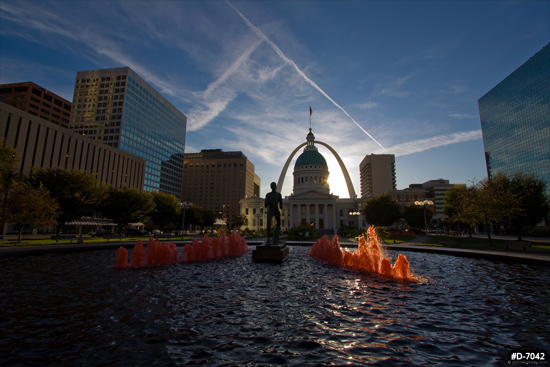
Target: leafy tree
point(200, 217)
point(192, 216)
point(75, 191)
point(207, 218)
point(127, 205)
point(382, 210)
point(8, 160)
point(494, 202)
point(240, 220)
point(298, 233)
point(31, 206)
point(414, 215)
point(533, 200)
point(459, 206)
point(8, 176)
point(166, 210)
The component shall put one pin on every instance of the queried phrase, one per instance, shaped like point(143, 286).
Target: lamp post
point(258, 216)
point(423, 205)
point(184, 205)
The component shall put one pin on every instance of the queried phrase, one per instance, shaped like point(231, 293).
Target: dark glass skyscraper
point(515, 120)
point(119, 108)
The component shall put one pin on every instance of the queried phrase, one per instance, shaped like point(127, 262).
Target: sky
point(382, 77)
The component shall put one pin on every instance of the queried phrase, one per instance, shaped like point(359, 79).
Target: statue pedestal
point(270, 253)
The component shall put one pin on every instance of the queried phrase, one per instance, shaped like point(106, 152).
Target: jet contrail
point(260, 34)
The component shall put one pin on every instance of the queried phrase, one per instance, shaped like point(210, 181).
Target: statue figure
point(273, 201)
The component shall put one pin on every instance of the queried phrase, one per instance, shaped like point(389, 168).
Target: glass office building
point(515, 120)
point(119, 108)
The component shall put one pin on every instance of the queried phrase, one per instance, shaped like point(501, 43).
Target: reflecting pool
point(77, 309)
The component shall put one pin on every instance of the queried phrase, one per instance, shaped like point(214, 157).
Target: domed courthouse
point(311, 202)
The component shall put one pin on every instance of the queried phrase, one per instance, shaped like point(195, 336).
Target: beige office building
point(377, 175)
point(37, 101)
point(43, 144)
point(218, 180)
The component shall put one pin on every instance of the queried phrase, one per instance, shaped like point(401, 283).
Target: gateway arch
point(351, 190)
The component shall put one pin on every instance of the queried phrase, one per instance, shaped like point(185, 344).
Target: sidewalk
point(509, 256)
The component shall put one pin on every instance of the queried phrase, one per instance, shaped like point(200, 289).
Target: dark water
point(76, 310)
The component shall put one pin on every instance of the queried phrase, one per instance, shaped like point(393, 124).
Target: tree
point(459, 206)
point(200, 217)
point(166, 210)
point(8, 176)
point(494, 202)
point(533, 200)
point(414, 215)
point(382, 210)
point(127, 205)
point(75, 191)
point(207, 218)
point(240, 220)
point(31, 206)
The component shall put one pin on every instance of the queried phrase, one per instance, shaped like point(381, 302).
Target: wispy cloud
point(434, 142)
point(463, 116)
point(367, 105)
point(218, 94)
point(394, 87)
point(261, 35)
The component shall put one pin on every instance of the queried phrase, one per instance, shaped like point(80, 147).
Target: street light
point(184, 205)
point(423, 204)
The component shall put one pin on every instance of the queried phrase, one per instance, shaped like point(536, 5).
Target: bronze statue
point(273, 201)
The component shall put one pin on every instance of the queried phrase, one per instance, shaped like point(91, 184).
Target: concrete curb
point(511, 256)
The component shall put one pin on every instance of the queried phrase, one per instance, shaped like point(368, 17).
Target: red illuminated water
point(162, 253)
point(368, 257)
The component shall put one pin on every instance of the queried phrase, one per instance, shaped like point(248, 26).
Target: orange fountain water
point(161, 253)
point(369, 258)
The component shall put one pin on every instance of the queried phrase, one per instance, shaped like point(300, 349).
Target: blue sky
point(397, 77)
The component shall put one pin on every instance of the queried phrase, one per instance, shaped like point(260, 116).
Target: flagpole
point(310, 113)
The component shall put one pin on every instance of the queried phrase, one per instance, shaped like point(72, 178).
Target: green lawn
point(42, 242)
point(542, 247)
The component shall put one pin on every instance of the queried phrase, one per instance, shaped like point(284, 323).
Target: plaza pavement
point(508, 256)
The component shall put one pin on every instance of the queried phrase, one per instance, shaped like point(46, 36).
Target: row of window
point(103, 79)
point(310, 179)
point(213, 165)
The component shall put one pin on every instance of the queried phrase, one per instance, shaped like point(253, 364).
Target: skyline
point(397, 78)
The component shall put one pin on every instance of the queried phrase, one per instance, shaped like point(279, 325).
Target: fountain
point(161, 253)
point(77, 309)
point(370, 258)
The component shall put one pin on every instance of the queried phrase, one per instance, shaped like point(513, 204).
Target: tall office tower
point(217, 180)
point(515, 120)
point(377, 175)
point(37, 101)
point(119, 108)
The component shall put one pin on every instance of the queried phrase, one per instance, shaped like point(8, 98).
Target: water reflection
point(75, 309)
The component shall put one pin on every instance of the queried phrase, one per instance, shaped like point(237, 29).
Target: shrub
point(298, 233)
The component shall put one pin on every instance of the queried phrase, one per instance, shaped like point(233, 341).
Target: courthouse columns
point(317, 216)
point(334, 219)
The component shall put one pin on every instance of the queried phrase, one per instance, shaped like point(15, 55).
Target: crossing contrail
point(260, 34)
